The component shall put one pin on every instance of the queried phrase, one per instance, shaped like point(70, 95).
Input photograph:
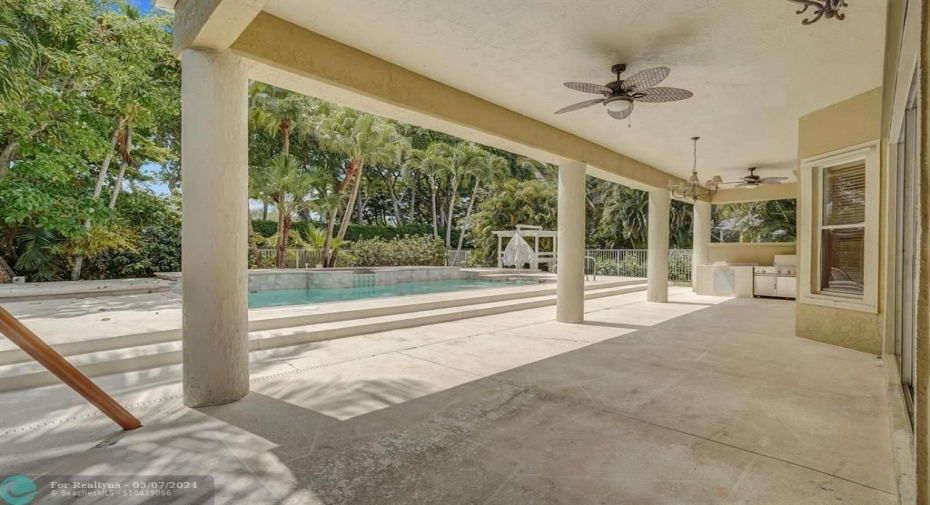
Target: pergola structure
point(769, 92)
point(532, 232)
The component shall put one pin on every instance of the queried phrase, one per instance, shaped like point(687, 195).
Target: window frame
point(810, 205)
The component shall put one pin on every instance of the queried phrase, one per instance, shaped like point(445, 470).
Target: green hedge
point(407, 251)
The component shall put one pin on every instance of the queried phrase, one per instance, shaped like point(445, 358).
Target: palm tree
point(536, 169)
point(431, 162)
point(361, 138)
point(277, 110)
point(287, 187)
point(626, 213)
point(489, 167)
point(465, 158)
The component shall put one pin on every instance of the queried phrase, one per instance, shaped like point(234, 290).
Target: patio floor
point(702, 400)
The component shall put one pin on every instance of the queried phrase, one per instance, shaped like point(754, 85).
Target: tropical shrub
point(514, 202)
point(406, 251)
point(155, 225)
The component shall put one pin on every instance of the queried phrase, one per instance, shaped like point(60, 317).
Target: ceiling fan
point(621, 94)
point(752, 180)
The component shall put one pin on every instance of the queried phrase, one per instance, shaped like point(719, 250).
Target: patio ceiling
point(753, 67)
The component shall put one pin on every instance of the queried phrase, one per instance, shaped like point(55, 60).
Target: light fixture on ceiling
point(693, 188)
point(822, 8)
point(619, 105)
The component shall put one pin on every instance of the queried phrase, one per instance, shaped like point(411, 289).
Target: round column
point(701, 239)
point(571, 243)
point(214, 146)
point(657, 256)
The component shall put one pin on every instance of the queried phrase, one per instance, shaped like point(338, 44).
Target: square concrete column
point(571, 243)
point(214, 168)
point(657, 256)
point(701, 239)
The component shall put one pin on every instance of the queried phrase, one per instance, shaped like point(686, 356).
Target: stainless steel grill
point(778, 280)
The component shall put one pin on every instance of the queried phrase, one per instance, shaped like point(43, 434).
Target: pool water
point(303, 296)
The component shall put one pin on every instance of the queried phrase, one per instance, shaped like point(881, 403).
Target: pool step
point(152, 355)
point(508, 276)
point(261, 319)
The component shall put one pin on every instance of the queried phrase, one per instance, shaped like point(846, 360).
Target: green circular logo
point(18, 490)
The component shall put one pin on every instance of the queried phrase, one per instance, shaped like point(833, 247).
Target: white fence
point(457, 258)
point(632, 263)
point(619, 262)
point(296, 258)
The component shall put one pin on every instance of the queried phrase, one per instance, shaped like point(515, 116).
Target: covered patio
point(698, 400)
point(479, 94)
point(665, 398)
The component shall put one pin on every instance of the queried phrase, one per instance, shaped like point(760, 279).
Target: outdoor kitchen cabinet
point(786, 287)
point(765, 285)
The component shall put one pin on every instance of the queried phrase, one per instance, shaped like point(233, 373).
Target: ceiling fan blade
point(774, 179)
point(579, 105)
point(641, 81)
point(587, 87)
point(658, 95)
point(768, 182)
point(622, 114)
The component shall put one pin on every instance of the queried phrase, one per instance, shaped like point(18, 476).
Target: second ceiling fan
point(754, 181)
point(621, 94)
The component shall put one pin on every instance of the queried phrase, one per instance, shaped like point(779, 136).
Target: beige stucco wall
point(851, 122)
point(761, 254)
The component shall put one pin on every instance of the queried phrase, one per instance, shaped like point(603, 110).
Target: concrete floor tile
point(357, 387)
point(584, 333)
point(421, 466)
point(492, 353)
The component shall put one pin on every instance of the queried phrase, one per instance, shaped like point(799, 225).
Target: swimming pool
point(303, 296)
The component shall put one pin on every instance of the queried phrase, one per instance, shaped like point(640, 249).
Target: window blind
point(844, 195)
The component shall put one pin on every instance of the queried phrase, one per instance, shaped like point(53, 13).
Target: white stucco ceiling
point(753, 68)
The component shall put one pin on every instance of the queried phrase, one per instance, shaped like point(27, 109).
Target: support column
point(214, 147)
point(657, 256)
point(571, 243)
point(701, 230)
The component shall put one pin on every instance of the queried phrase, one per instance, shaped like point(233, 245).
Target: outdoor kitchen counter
point(734, 279)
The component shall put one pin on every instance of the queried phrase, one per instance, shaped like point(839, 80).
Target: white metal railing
point(679, 265)
point(457, 258)
point(616, 262)
point(296, 258)
point(633, 263)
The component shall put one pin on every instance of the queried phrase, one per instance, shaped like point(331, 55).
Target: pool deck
point(68, 319)
point(33, 291)
point(702, 400)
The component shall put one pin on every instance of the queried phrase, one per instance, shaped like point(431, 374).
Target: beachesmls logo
point(18, 490)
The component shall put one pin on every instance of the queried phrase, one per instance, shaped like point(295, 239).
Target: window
point(839, 208)
point(842, 229)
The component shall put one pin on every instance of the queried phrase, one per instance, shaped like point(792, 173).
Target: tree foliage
point(766, 221)
point(82, 82)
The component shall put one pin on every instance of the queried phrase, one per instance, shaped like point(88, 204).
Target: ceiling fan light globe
point(618, 104)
